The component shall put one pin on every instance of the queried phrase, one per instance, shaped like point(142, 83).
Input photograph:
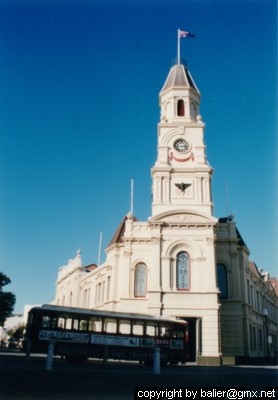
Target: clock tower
point(182, 224)
point(181, 175)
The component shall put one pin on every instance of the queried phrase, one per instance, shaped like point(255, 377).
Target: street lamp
point(265, 314)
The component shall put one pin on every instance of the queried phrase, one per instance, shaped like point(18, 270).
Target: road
point(29, 380)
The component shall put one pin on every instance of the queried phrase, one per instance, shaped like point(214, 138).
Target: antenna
point(131, 197)
point(99, 248)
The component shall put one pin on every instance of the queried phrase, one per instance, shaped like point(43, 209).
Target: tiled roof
point(119, 233)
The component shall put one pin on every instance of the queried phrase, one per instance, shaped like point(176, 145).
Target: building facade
point(183, 262)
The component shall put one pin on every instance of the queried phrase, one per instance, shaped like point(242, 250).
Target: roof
point(225, 220)
point(119, 233)
point(274, 283)
point(179, 76)
point(117, 237)
point(90, 267)
point(103, 313)
point(270, 282)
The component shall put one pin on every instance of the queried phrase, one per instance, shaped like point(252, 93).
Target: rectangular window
point(95, 324)
point(251, 295)
point(83, 325)
point(68, 323)
point(125, 327)
point(84, 303)
point(98, 290)
point(251, 337)
point(258, 300)
point(138, 328)
point(165, 330)
point(46, 320)
point(151, 330)
point(110, 325)
point(103, 292)
point(254, 339)
point(62, 323)
point(108, 288)
point(248, 291)
point(260, 340)
point(75, 324)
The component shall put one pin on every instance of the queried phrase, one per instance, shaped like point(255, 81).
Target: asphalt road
point(29, 380)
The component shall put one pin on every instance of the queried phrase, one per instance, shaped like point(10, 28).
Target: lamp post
point(266, 322)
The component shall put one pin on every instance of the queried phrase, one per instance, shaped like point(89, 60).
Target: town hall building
point(183, 262)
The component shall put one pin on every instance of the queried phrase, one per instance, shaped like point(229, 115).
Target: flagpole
point(178, 46)
point(131, 197)
point(99, 248)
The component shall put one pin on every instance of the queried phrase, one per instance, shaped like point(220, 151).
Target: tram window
point(68, 323)
point(61, 323)
point(151, 330)
point(75, 324)
point(95, 324)
point(54, 323)
point(178, 332)
point(110, 325)
point(165, 330)
point(124, 327)
point(83, 325)
point(30, 319)
point(46, 321)
point(138, 328)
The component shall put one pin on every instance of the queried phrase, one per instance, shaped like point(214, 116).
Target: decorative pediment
point(183, 217)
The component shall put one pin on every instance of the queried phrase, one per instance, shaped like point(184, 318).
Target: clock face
point(181, 145)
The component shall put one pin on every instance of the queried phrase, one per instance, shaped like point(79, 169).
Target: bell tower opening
point(180, 108)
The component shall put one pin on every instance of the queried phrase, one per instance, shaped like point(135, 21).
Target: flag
point(185, 34)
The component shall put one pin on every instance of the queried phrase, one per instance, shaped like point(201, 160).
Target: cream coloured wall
point(181, 221)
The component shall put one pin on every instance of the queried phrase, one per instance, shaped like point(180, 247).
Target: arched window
point(182, 268)
point(180, 108)
point(140, 280)
point(222, 281)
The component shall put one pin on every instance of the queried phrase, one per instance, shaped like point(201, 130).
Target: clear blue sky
point(79, 84)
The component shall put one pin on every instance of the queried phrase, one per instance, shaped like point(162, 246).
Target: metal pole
point(131, 197)
point(156, 361)
point(105, 355)
point(99, 248)
point(49, 359)
point(28, 349)
point(178, 51)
